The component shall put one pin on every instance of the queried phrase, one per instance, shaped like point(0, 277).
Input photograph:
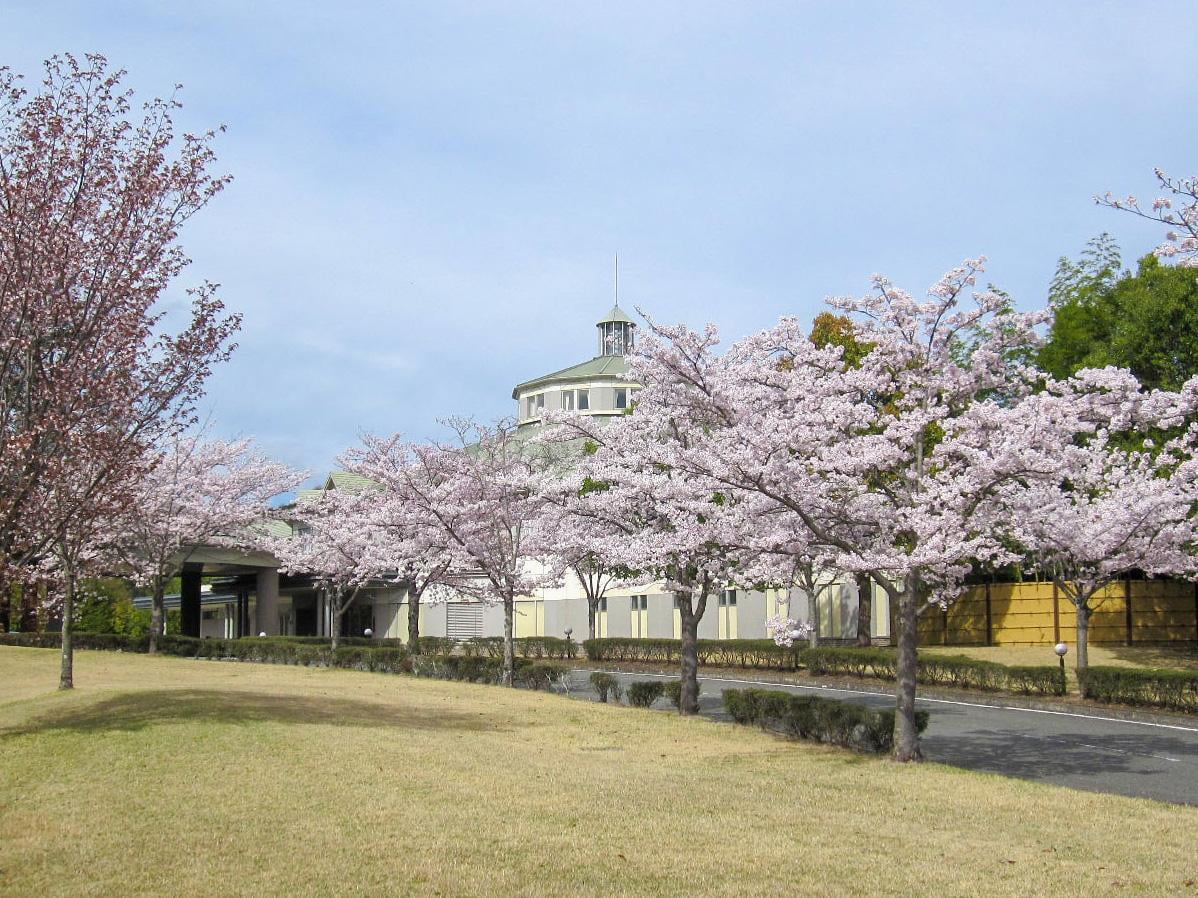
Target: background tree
point(476, 497)
point(1146, 322)
point(569, 543)
point(650, 514)
point(871, 469)
point(408, 550)
point(195, 493)
point(334, 541)
point(1177, 208)
point(830, 329)
point(90, 377)
point(1113, 502)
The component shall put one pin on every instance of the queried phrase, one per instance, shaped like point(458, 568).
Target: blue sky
point(427, 196)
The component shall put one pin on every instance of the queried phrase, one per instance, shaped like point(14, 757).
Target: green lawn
point(162, 776)
point(1179, 657)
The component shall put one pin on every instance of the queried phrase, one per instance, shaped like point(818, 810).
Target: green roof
point(613, 366)
point(617, 314)
point(351, 483)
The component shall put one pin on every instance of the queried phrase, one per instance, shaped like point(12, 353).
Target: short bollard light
point(1061, 649)
point(368, 632)
point(263, 633)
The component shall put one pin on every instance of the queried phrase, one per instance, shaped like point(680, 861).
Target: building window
point(603, 604)
point(531, 403)
point(728, 598)
point(584, 400)
point(568, 400)
point(540, 402)
point(621, 397)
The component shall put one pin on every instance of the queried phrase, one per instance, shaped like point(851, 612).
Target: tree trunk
point(864, 610)
point(336, 609)
point(157, 615)
point(906, 736)
point(509, 643)
point(5, 606)
point(689, 702)
point(592, 616)
point(813, 617)
point(1083, 643)
point(29, 603)
point(413, 622)
point(66, 678)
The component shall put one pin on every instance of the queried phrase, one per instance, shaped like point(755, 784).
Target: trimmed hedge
point(112, 642)
point(643, 693)
point(819, 719)
point(1175, 690)
point(757, 654)
point(934, 669)
point(957, 671)
point(542, 675)
point(550, 647)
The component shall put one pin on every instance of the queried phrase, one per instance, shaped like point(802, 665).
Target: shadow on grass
point(1175, 655)
point(139, 710)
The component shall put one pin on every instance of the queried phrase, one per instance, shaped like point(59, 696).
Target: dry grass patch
point(166, 776)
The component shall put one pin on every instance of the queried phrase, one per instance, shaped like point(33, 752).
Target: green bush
point(1175, 690)
point(673, 691)
point(934, 669)
point(535, 647)
point(543, 675)
point(606, 686)
point(757, 654)
point(812, 717)
point(643, 693)
point(1045, 680)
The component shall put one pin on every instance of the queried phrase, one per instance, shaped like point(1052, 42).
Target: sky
point(427, 197)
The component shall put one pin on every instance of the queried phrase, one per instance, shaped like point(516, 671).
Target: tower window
point(621, 397)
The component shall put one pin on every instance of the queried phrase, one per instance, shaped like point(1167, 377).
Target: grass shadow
point(132, 711)
point(1179, 656)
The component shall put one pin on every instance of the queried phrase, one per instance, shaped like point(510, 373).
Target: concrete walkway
point(1076, 749)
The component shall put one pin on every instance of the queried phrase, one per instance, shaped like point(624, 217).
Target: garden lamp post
point(1061, 649)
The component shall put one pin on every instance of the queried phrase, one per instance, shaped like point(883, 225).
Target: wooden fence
point(1126, 613)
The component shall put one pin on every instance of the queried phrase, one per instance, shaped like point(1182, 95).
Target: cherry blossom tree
point(867, 467)
point(1115, 500)
point(414, 554)
point(476, 497)
point(642, 511)
point(334, 540)
point(1176, 207)
point(195, 493)
point(91, 375)
point(568, 543)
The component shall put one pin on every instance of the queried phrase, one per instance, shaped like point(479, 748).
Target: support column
point(189, 600)
point(268, 602)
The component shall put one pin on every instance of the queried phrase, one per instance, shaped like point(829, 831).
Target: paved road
point(1149, 760)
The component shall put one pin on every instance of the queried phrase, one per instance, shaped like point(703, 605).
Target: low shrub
point(534, 647)
point(673, 691)
point(934, 669)
point(1174, 690)
point(811, 717)
point(1045, 680)
point(643, 693)
point(606, 686)
point(543, 675)
point(758, 654)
